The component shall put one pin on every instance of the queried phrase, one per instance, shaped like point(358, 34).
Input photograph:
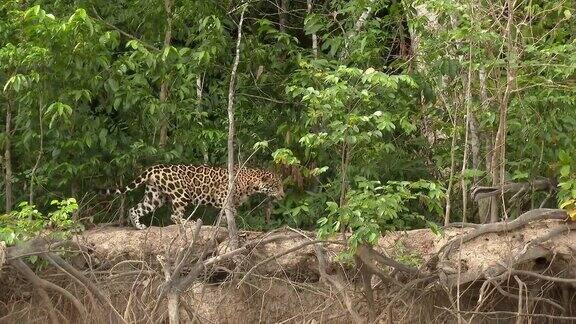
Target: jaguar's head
point(270, 184)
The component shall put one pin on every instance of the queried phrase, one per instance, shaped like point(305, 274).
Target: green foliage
point(567, 184)
point(372, 209)
point(83, 80)
point(27, 222)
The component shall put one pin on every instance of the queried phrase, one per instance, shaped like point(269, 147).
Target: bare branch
point(229, 207)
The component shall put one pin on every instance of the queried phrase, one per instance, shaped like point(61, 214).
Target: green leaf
point(102, 135)
point(565, 171)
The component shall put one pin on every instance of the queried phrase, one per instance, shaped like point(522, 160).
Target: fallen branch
point(480, 192)
point(530, 216)
point(541, 276)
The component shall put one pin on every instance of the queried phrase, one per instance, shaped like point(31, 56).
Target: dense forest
point(379, 116)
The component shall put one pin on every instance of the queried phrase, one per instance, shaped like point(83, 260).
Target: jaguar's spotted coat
point(182, 185)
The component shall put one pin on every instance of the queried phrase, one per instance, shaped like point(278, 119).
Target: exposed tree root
point(38, 285)
point(524, 219)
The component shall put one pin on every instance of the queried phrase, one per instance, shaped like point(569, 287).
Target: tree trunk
point(199, 88)
point(467, 143)
point(8, 159)
point(164, 85)
point(229, 207)
point(345, 161)
point(199, 94)
point(499, 157)
point(448, 208)
point(484, 205)
point(314, 36)
point(282, 9)
point(173, 303)
point(40, 152)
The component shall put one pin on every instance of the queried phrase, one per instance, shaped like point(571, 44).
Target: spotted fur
point(182, 185)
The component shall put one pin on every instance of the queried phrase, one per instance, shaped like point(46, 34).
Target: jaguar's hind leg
point(178, 209)
point(153, 199)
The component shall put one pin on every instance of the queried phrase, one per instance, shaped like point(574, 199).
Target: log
point(480, 192)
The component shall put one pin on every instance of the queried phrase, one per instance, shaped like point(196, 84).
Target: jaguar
point(183, 185)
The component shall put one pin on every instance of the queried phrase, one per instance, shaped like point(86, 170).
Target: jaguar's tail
point(122, 190)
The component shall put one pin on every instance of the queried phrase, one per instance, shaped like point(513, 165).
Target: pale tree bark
point(173, 308)
point(40, 152)
point(8, 159)
point(314, 36)
point(199, 94)
point(475, 142)
point(164, 84)
point(467, 143)
point(448, 208)
point(199, 88)
point(363, 17)
point(357, 27)
point(498, 164)
point(282, 9)
point(229, 207)
point(466, 146)
point(173, 295)
point(416, 62)
point(432, 26)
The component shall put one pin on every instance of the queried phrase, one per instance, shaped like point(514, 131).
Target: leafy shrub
point(372, 209)
point(567, 185)
point(28, 222)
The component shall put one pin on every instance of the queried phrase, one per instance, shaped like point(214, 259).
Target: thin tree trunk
point(474, 146)
point(199, 94)
point(282, 9)
point(164, 85)
point(40, 152)
point(499, 156)
point(344, 183)
point(173, 312)
point(199, 88)
point(346, 154)
point(344, 162)
point(122, 208)
point(229, 207)
point(8, 159)
point(357, 27)
point(448, 209)
point(468, 103)
point(314, 36)
point(475, 142)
